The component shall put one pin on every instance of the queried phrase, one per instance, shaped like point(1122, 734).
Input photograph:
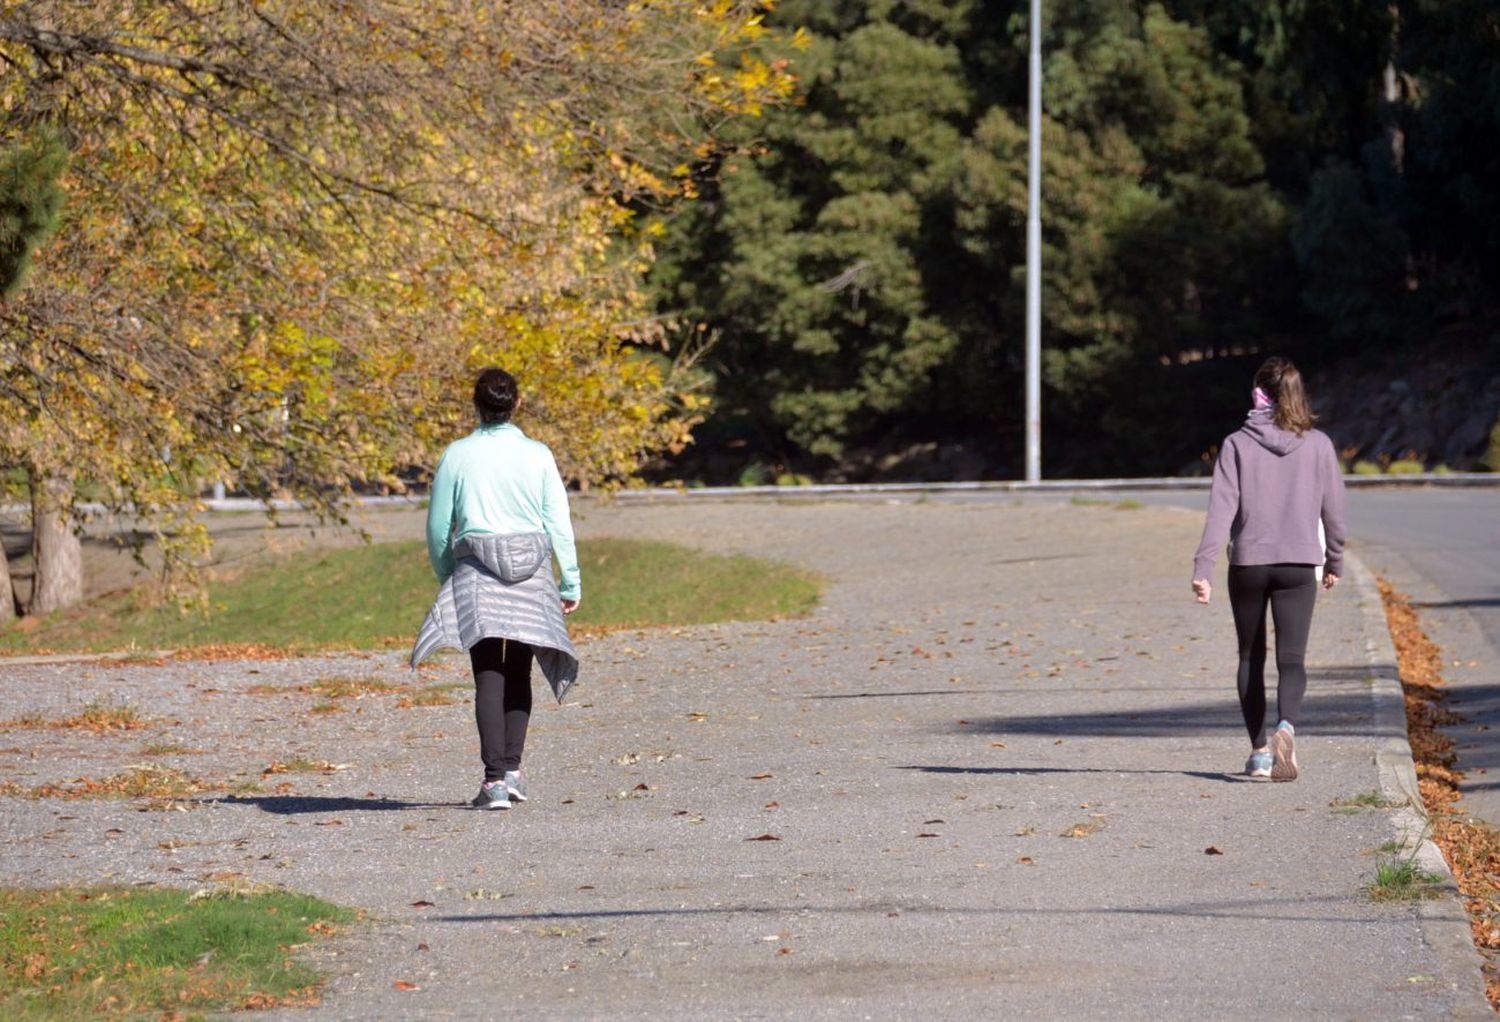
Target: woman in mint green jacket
point(498, 514)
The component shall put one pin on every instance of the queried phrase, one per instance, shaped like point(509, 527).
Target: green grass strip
point(376, 595)
point(108, 952)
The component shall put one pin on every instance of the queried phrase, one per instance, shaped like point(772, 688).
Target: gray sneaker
point(515, 785)
point(1258, 765)
point(492, 795)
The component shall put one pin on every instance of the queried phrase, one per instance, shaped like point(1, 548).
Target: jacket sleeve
point(559, 527)
point(440, 520)
point(1223, 505)
point(1335, 512)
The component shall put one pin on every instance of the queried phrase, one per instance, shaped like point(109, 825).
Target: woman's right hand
point(1202, 589)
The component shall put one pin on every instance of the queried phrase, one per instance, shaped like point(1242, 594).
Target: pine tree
point(31, 202)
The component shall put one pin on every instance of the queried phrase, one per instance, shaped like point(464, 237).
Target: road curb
point(1444, 921)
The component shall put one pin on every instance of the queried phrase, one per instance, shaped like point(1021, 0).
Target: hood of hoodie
point(1263, 429)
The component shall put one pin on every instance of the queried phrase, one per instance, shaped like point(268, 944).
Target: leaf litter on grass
point(1471, 847)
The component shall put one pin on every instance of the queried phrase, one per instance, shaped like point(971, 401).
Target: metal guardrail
point(1440, 479)
point(1465, 480)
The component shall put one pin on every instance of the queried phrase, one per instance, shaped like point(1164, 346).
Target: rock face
point(1439, 410)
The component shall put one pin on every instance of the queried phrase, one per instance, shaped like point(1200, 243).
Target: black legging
point(1291, 589)
point(502, 702)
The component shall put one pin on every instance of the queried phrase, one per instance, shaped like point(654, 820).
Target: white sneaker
point(515, 785)
point(1284, 752)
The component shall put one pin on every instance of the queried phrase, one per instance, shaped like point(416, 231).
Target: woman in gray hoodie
point(1277, 479)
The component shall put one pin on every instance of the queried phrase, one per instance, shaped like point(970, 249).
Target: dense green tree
point(865, 271)
point(814, 275)
point(31, 201)
point(1221, 178)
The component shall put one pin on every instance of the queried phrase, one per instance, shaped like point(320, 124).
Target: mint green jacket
point(498, 480)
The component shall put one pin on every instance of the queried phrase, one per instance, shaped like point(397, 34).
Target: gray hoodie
point(1271, 488)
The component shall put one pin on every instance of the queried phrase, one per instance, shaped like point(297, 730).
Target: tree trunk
point(58, 553)
point(7, 591)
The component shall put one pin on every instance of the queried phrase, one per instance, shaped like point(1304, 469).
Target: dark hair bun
point(495, 396)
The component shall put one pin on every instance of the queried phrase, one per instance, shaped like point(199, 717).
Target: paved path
point(1442, 548)
point(981, 681)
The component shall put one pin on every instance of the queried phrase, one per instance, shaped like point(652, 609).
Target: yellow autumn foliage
point(294, 231)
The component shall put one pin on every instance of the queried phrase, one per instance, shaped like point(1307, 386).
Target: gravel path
point(860, 814)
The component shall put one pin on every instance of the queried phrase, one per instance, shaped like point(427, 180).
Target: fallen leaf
point(585, 887)
point(1026, 860)
point(1212, 850)
point(759, 777)
point(928, 823)
point(328, 823)
point(422, 946)
point(1080, 830)
point(924, 834)
point(421, 904)
point(783, 951)
point(772, 805)
point(997, 745)
point(402, 984)
point(764, 837)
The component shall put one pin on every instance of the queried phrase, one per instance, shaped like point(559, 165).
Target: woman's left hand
point(1330, 580)
point(569, 606)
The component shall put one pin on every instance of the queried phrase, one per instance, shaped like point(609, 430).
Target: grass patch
point(1400, 879)
point(145, 781)
point(1368, 800)
point(348, 688)
point(1128, 504)
point(376, 596)
point(1088, 502)
point(298, 765)
point(100, 717)
point(432, 695)
point(117, 953)
point(167, 749)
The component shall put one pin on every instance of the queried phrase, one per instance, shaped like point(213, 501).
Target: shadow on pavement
point(1037, 691)
point(1480, 601)
point(1206, 775)
point(297, 805)
point(1344, 713)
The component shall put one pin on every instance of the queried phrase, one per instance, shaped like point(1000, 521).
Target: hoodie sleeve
point(559, 526)
point(440, 520)
point(1223, 505)
point(1335, 511)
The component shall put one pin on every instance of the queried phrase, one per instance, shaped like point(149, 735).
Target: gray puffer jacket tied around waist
point(502, 588)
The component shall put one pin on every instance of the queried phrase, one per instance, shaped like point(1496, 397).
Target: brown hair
point(1283, 384)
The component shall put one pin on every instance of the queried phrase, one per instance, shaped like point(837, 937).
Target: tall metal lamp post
point(1034, 258)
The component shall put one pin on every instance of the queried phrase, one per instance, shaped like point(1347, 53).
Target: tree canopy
point(293, 230)
point(1219, 179)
